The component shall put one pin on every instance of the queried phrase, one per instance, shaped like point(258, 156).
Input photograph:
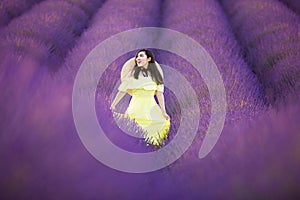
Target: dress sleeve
point(160, 88)
point(123, 86)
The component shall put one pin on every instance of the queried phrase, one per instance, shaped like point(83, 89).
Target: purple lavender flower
point(269, 31)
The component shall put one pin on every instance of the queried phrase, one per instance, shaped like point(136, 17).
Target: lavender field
point(255, 45)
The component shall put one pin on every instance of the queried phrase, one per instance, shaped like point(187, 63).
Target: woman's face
point(142, 60)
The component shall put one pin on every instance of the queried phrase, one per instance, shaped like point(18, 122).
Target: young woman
point(142, 78)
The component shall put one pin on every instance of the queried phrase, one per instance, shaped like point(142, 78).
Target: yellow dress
point(144, 110)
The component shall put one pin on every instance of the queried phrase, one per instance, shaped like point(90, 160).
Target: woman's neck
point(146, 66)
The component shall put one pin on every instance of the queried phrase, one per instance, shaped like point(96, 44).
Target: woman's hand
point(166, 116)
point(112, 107)
point(118, 97)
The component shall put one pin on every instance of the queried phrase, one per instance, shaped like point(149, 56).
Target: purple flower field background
point(256, 47)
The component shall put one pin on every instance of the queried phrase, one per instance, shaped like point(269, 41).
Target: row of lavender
point(9, 9)
point(269, 33)
point(48, 30)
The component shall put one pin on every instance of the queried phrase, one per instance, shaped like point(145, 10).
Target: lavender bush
point(270, 42)
point(9, 9)
point(53, 25)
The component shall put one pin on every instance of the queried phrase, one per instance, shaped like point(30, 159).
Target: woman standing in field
point(142, 78)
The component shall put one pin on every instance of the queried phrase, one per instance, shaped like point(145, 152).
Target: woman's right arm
point(117, 99)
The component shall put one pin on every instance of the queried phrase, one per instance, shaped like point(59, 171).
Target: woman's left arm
point(161, 102)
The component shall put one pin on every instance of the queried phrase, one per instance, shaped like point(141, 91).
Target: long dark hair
point(152, 68)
